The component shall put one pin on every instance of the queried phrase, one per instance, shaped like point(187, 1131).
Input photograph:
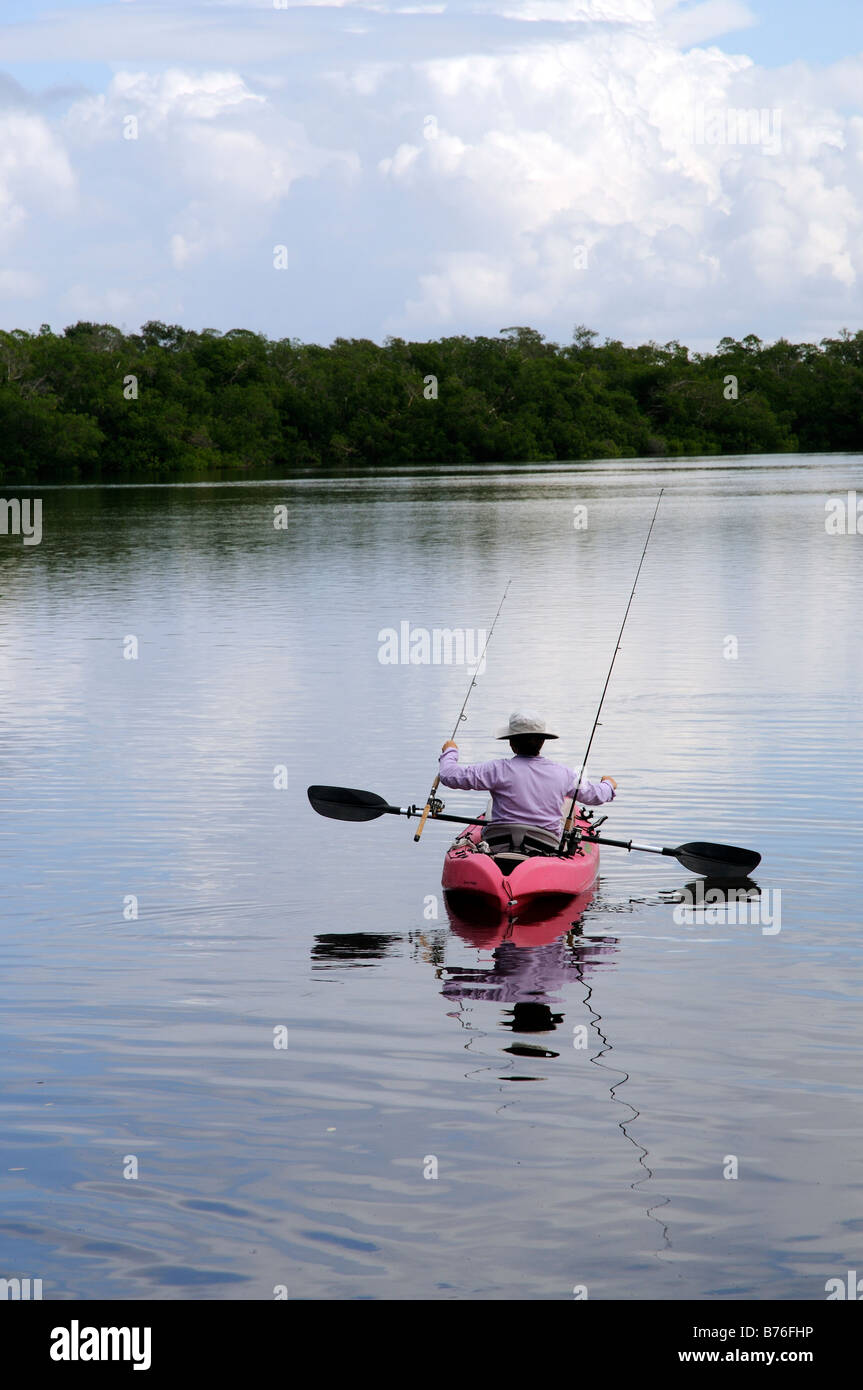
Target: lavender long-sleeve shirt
point(530, 790)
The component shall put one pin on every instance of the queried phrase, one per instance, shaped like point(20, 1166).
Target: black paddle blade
point(345, 803)
point(716, 861)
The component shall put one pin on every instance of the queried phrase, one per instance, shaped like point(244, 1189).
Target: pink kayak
point(515, 868)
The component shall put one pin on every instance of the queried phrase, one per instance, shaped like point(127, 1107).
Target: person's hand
point(449, 744)
point(611, 780)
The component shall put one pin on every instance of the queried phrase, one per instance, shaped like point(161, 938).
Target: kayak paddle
point(346, 803)
point(712, 861)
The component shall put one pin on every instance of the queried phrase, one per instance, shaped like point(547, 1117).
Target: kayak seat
point(518, 841)
point(508, 862)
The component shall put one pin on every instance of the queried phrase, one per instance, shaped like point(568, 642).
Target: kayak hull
point(476, 881)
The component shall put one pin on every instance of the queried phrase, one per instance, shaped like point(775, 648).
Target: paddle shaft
point(461, 715)
point(628, 844)
point(567, 829)
point(410, 811)
point(480, 820)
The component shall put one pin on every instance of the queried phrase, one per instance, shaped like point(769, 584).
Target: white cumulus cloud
point(607, 175)
point(216, 151)
point(511, 161)
point(35, 172)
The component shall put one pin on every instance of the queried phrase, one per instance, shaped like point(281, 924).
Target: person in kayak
point(526, 789)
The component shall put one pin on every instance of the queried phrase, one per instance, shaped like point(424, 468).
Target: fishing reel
point(435, 806)
point(572, 840)
point(580, 832)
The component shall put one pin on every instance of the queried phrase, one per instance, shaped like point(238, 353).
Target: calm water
point(148, 1040)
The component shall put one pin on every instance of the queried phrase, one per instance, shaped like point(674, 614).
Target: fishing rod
point(436, 783)
point(567, 829)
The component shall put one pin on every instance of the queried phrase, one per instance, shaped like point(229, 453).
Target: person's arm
point(592, 793)
point(481, 777)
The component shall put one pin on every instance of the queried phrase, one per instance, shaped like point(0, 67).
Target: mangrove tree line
point(93, 402)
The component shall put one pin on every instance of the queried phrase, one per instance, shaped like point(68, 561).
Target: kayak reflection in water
point(531, 978)
point(527, 788)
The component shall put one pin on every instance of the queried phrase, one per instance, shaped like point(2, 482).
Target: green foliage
point(94, 402)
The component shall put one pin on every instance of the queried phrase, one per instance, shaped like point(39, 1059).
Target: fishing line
point(567, 829)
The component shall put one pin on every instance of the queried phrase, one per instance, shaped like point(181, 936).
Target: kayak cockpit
point(511, 843)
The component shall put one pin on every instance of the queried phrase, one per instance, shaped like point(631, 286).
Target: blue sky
point(782, 31)
point(435, 168)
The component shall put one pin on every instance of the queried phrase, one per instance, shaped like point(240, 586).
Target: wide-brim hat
point(523, 723)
